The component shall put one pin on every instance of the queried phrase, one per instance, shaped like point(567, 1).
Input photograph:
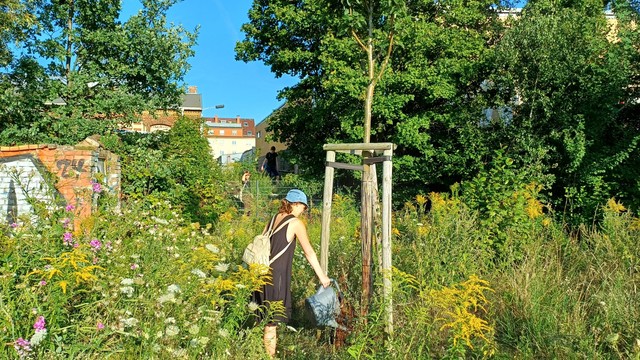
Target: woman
point(292, 206)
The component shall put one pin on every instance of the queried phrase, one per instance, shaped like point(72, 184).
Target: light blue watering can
point(324, 306)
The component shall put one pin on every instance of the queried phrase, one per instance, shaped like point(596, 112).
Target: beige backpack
point(259, 250)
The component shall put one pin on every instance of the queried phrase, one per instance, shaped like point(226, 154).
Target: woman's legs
point(270, 338)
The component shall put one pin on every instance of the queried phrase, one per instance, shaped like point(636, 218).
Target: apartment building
point(229, 137)
point(264, 142)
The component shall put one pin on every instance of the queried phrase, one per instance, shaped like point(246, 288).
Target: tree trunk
point(365, 234)
point(366, 226)
point(69, 43)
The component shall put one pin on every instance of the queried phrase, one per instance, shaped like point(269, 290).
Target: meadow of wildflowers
point(141, 281)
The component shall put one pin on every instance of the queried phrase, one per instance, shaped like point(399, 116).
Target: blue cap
point(297, 196)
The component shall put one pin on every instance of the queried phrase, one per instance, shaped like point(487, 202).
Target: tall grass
point(146, 283)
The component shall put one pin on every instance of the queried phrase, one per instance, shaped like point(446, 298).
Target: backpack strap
point(268, 231)
point(286, 247)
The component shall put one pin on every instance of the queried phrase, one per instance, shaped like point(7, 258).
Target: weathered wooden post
point(366, 233)
point(327, 198)
point(386, 237)
point(368, 151)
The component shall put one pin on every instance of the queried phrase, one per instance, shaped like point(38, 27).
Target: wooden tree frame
point(364, 150)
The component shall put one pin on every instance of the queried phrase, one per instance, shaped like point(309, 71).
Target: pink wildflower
point(23, 347)
point(22, 342)
point(65, 222)
point(14, 225)
point(40, 324)
point(100, 326)
point(69, 207)
point(42, 283)
point(67, 238)
point(97, 188)
point(134, 266)
point(76, 245)
point(95, 244)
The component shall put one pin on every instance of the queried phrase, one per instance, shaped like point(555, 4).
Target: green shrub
point(506, 197)
point(176, 166)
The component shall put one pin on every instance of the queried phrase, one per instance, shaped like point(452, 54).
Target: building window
point(259, 134)
point(233, 142)
point(234, 132)
point(249, 133)
point(221, 152)
point(221, 132)
point(210, 132)
point(246, 123)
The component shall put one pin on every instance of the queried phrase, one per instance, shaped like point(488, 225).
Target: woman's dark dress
point(280, 287)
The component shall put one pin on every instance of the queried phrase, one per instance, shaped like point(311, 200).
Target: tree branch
point(355, 36)
point(385, 62)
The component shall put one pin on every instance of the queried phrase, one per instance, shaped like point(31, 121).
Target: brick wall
point(31, 169)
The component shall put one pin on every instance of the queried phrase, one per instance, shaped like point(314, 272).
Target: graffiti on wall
point(21, 179)
point(64, 165)
point(53, 174)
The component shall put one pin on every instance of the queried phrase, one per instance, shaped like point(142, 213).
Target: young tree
point(343, 51)
point(426, 101)
point(82, 71)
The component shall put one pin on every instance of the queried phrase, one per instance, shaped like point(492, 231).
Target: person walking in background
point(245, 182)
point(246, 176)
point(279, 288)
point(270, 164)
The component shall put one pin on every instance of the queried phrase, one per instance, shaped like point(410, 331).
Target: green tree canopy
point(423, 102)
point(82, 71)
point(567, 76)
point(14, 17)
point(562, 86)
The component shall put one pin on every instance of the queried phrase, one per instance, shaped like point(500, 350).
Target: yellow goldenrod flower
point(534, 208)
point(460, 308)
point(421, 199)
point(614, 207)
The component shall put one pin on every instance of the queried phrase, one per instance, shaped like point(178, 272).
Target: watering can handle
point(334, 282)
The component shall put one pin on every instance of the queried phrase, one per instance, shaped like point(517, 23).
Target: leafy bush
point(176, 166)
point(506, 197)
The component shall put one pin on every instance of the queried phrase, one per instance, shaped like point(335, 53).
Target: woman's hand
point(325, 281)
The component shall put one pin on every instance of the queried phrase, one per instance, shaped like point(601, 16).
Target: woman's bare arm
point(300, 231)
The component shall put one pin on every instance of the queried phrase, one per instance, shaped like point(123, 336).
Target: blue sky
point(245, 89)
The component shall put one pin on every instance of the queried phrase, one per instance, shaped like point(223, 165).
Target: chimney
point(237, 119)
point(215, 119)
point(193, 90)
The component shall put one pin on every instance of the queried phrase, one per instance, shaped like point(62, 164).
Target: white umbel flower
point(199, 273)
point(129, 322)
point(170, 297)
point(172, 330)
point(252, 306)
point(173, 289)
point(127, 290)
point(222, 267)
point(214, 249)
